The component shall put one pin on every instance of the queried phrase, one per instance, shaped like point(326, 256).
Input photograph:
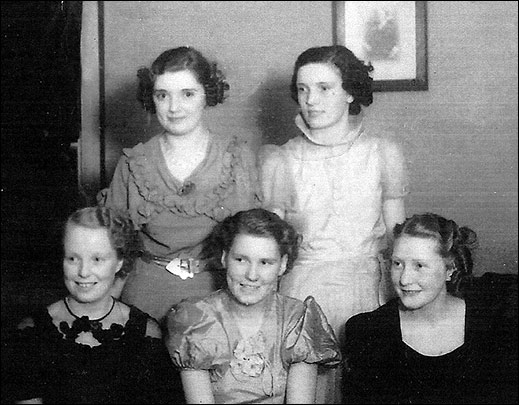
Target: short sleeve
point(276, 180)
point(310, 338)
point(195, 339)
point(395, 177)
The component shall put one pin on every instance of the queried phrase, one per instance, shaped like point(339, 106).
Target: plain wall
point(460, 136)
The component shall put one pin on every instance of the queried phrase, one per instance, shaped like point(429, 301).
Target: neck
point(431, 313)
point(94, 310)
point(192, 140)
point(344, 131)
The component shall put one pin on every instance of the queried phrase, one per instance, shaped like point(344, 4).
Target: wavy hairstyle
point(123, 236)
point(356, 79)
point(257, 222)
point(178, 59)
point(456, 244)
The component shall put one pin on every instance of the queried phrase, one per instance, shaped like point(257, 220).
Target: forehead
point(83, 237)
point(254, 245)
point(177, 80)
point(318, 72)
point(415, 246)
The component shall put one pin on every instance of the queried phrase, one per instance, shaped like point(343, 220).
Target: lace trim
point(157, 198)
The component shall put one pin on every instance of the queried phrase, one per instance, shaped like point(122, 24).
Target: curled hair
point(123, 236)
point(179, 59)
point(257, 222)
point(456, 244)
point(355, 75)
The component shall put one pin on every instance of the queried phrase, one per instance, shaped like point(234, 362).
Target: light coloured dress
point(333, 196)
point(203, 335)
point(174, 217)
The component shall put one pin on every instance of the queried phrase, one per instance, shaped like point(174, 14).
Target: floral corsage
point(248, 356)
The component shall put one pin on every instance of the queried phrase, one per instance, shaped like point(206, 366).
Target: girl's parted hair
point(178, 59)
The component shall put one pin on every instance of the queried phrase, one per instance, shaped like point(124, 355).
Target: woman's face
point(89, 263)
point(253, 265)
point(418, 272)
point(323, 101)
point(180, 101)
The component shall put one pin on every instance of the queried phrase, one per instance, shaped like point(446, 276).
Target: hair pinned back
point(455, 244)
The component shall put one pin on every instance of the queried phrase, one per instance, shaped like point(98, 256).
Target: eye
point(189, 93)
point(70, 259)
point(98, 259)
point(267, 263)
point(301, 89)
point(396, 263)
point(160, 96)
point(324, 87)
point(238, 259)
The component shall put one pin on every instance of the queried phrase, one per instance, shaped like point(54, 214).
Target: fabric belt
point(181, 267)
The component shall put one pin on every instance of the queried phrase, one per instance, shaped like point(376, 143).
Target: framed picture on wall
point(391, 35)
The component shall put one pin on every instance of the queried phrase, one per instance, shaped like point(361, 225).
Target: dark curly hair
point(455, 244)
point(178, 59)
point(258, 222)
point(123, 236)
point(356, 79)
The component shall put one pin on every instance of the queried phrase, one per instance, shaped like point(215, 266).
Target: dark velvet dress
point(127, 368)
point(381, 368)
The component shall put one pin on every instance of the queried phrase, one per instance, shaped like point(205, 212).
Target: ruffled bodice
point(174, 215)
point(204, 336)
point(130, 368)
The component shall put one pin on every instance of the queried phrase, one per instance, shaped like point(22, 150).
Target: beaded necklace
point(85, 324)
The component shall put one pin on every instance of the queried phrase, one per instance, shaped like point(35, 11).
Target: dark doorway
point(40, 126)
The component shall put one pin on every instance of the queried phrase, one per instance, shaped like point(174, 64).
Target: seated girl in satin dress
point(247, 343)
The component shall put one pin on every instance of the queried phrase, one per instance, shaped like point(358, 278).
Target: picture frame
point(391, 35)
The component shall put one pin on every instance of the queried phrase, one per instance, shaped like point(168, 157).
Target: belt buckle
point(181, 268)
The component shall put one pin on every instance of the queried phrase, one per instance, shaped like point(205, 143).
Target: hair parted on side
point(123, 236)
point(179, 59)
point(455, 244)
point(355, 74)
point(257, 222)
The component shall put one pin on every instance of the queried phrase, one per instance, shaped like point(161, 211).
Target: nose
point(173, 103)
point(406, 276)
point(312, 97)
point(252, 272)
point(83, 269)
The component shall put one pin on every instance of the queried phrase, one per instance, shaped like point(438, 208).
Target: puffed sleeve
point(395, 178)
point(276, 181)
point(196, 339)
point(310, 338)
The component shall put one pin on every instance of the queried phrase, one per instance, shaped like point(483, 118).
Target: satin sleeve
point(310, 338)
point(395, 176)
point(196, 339)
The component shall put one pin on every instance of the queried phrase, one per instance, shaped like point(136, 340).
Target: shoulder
point(194, 311)
point(376, 322)
point(149, 147)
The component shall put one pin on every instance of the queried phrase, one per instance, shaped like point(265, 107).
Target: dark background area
point(40, 126)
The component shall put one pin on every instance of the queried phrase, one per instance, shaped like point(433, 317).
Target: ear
point(283, 266)
point(223, 259)
point(119, 265)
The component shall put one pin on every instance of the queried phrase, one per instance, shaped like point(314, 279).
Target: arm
point(301, 383)
point(31, 401)
point(197, 386)
point(394, 213)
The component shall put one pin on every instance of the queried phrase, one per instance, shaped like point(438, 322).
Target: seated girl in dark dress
point(441, 340)
point(89, 348)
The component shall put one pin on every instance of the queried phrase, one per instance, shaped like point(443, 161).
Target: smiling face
point(180, 101)
point(418, 272)
point(253, 265)
point(323, 101)
point(89, 263)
